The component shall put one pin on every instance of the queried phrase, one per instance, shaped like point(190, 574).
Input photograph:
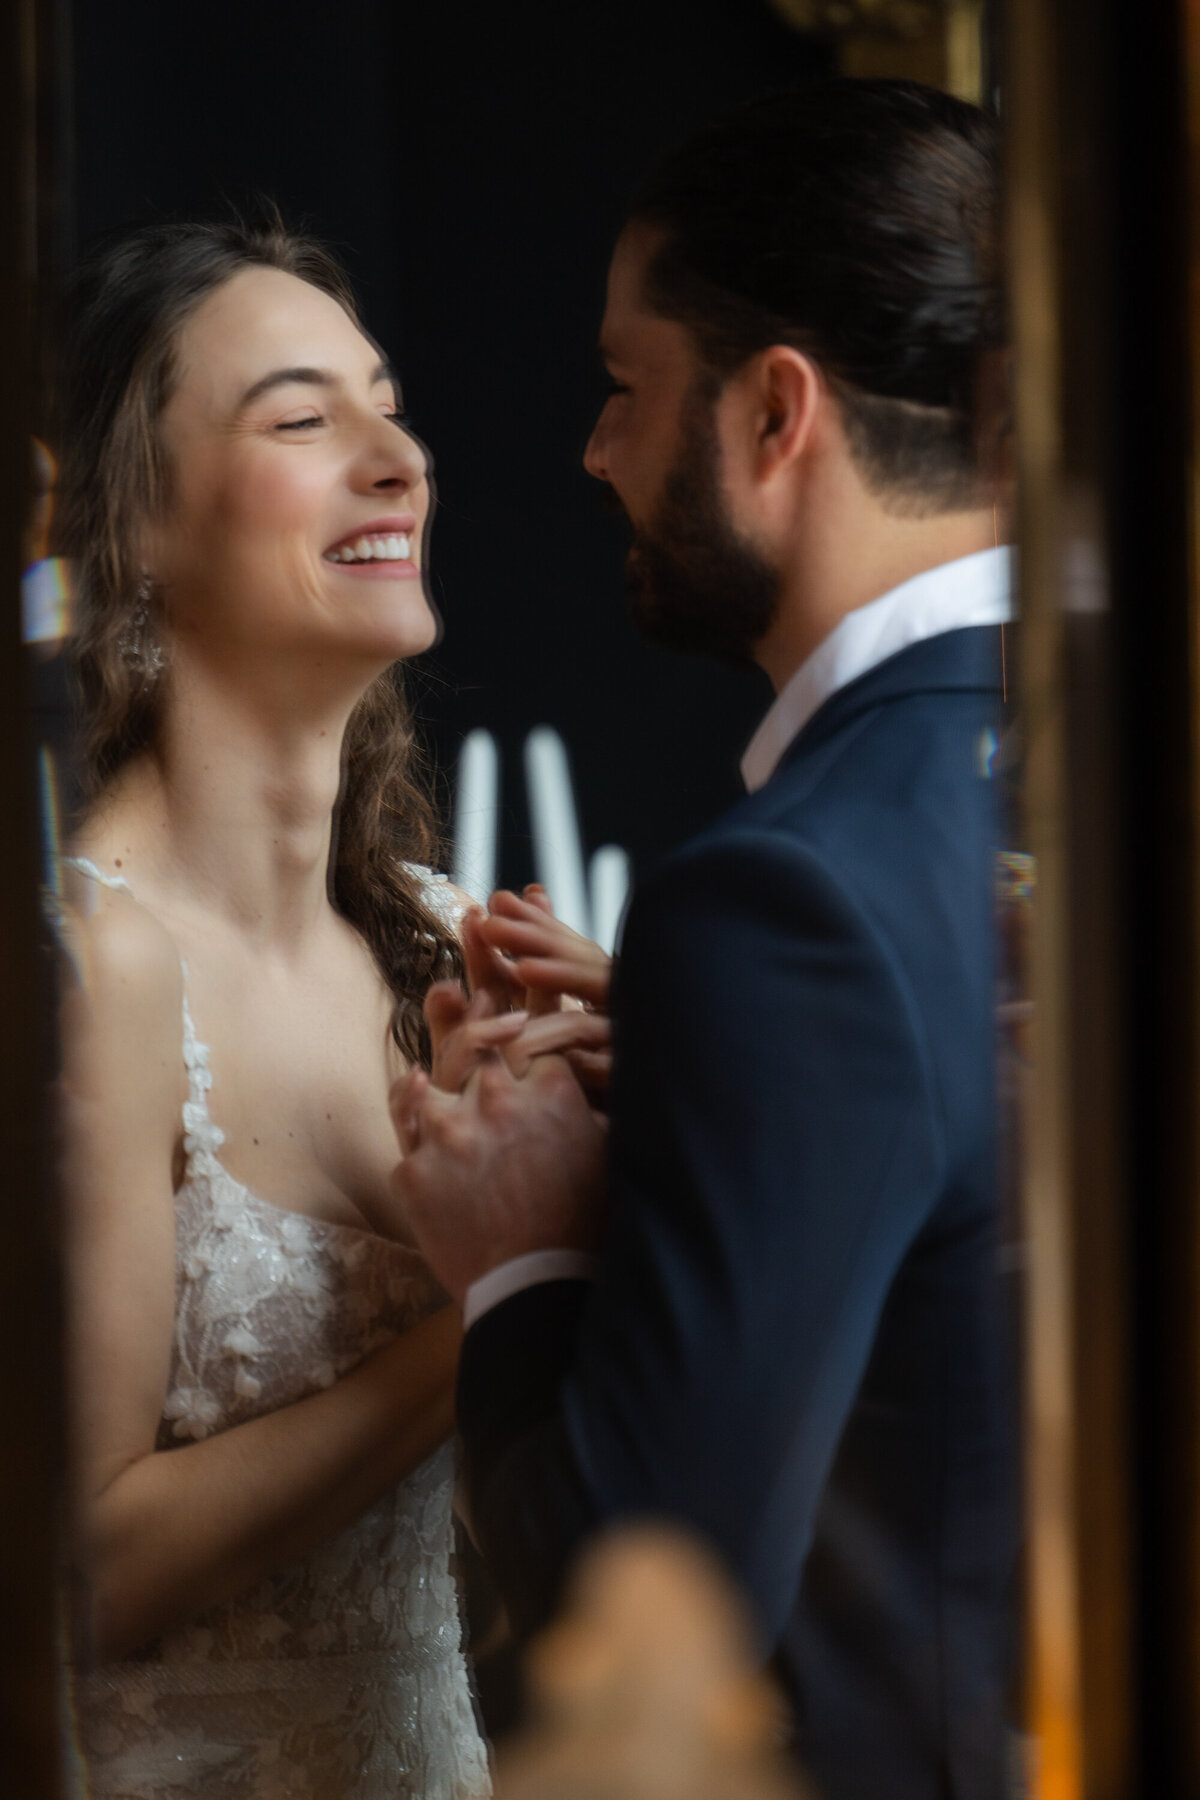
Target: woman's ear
point(789, 396)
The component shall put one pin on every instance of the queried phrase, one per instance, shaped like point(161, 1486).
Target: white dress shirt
point(972, 590)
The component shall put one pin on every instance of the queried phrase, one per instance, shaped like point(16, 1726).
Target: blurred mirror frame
point(31, 1391)
point(1099, 130)
point(1103, 116)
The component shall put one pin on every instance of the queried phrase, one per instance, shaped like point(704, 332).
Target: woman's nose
point(396, 459)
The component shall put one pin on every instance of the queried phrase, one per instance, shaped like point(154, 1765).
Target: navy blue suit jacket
point(794, 1344)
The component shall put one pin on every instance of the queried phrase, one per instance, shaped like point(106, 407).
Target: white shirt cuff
point(522, 1272)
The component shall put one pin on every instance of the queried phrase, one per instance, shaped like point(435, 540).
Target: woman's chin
point(404, 632)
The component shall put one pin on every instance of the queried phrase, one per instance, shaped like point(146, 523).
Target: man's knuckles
point(497, 1092)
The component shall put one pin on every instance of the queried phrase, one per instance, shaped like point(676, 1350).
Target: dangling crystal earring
point(140, 649)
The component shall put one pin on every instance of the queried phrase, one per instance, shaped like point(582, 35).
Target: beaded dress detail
point(342, 1676)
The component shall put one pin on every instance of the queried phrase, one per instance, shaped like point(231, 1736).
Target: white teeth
point(387, 547)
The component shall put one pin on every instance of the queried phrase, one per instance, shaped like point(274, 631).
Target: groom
point(787, 1336)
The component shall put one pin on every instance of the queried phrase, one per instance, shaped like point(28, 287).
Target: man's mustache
point(611, 502)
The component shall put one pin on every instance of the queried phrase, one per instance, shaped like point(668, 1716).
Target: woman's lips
point(399, 570)
point(381, 548)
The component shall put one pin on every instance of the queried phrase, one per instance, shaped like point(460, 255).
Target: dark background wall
point(471, 163)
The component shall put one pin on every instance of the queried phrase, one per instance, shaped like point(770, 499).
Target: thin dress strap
point(87, 867)
point(198, 1124)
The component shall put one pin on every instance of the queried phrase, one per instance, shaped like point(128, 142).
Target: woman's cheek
point(275, 498)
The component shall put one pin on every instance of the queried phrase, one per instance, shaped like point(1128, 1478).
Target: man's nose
point(595, 460)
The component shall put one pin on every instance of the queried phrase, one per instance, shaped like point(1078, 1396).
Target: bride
point(263, 1387)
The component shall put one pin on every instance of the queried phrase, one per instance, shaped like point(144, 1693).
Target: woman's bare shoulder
point(124, 1077)
point(125, 959)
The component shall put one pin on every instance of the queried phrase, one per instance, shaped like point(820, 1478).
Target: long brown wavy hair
point(126, 310)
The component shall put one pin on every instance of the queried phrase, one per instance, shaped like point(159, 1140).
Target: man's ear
point(994, 428)
point(789, 397)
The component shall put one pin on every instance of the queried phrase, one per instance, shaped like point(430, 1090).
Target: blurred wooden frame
point(942, 42)
point(1098, 124)
point(31, 1433)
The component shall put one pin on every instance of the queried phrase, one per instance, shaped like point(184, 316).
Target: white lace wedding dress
point(341, 1677)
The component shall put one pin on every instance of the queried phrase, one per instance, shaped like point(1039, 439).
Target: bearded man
point(788, 1336)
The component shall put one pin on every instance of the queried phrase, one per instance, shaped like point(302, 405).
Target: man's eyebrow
point(324, 378)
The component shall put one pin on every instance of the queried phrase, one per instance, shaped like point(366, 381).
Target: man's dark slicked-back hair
point(860, 222)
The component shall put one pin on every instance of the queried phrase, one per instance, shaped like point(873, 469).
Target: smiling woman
point(262, 1385)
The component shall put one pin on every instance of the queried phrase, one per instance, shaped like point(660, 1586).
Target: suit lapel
point(963, 661)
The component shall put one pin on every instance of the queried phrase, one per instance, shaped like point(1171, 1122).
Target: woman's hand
point(544, 957)
point(521, 962)
point(465, 1033)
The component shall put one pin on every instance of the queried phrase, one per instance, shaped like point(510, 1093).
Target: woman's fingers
point(562, 975)
point(474, 1041)
point(548, 957)
point(487, 970)
point(405, 1101)
point(524, 936)
point(444, 1007)
point(535, 894)
point(533, 902)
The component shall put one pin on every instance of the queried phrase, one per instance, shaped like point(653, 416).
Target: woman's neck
point(231, 814)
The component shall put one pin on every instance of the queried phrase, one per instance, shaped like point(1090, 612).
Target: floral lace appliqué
point(341, 1676)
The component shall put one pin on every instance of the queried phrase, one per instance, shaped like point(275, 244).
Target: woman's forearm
point(181, 1530)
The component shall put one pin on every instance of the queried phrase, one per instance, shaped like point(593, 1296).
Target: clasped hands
point(504, 1141)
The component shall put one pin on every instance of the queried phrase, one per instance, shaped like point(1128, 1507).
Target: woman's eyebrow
point(324, 378)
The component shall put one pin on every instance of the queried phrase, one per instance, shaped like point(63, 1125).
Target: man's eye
point(613, 386)
point(300, 424)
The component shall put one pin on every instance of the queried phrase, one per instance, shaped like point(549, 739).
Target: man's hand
point(512, 1164)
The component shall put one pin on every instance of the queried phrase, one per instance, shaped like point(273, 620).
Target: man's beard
point(693, 582)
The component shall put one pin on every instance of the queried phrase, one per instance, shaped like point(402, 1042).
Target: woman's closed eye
point(312, 420)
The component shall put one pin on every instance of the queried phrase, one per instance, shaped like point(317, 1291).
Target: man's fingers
point(553, 1032)
point(593, 1070)
point(492, 1089)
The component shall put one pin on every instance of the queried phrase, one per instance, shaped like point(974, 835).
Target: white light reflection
point(590, 900)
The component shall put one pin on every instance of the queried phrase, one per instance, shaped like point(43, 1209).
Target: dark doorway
point(472, 165)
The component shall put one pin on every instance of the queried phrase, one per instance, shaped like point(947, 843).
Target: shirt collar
point(972, 590)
